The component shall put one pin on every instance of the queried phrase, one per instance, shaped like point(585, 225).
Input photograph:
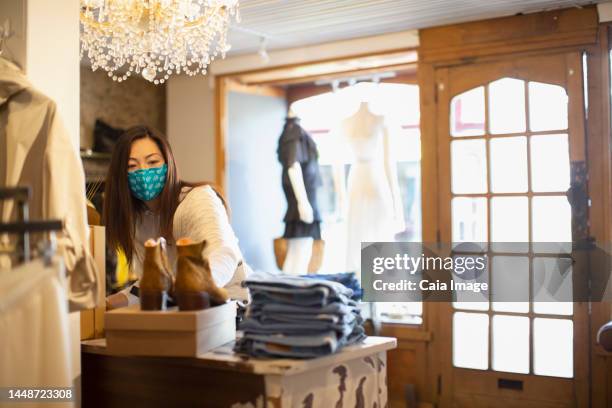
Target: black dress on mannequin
point(295, 145)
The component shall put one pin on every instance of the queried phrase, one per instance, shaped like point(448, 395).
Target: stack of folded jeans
point(298, 317)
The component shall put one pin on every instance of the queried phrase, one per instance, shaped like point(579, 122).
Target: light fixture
point(155, 38)
point(263, 50)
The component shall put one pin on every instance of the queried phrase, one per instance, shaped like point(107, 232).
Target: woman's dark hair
point(122, 209)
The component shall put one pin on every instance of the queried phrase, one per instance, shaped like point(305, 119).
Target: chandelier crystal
point(155, 38)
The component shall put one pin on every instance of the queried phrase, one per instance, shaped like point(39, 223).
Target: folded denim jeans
point(298, 282)
point(348, 279)
point(335, 321)
point(306, 318)
point(268, 349)
point(296, 290)
point(307, 300)
point(297, 346)
point(337, 308)
point(296, 340)
point(296, 327)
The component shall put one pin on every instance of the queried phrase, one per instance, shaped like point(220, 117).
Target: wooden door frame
point(600, 175)
point(282, 75)
point(556, 31)
point(564, 69)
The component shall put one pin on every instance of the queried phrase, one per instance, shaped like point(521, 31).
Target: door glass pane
point(469, 166)
point(509, 220)
point(466, 303)
point(547, 107)
point(510, 280)
point(518, 164)
point(470, 299)
point(552, 219)
point(469, 219)
point(550, 164)
point(552, 285)
point(467, 113)
point(511, 344)
point(508, 164)
point(553, 341)
point(471, 340)
point(507, 106)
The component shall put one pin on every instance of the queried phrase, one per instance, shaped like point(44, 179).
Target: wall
point(337, 49)
point(254, 175)
point(191, 126)
point(46, 47)
point(190, 100)
point(132, 102)
point(53, 55)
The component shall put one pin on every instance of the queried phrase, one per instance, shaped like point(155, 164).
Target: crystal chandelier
point(155, 38)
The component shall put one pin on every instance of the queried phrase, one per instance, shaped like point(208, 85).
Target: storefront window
point(319, 115)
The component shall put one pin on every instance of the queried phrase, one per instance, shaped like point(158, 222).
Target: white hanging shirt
point(35, 339)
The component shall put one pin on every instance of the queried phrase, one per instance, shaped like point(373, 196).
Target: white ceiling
point(294, 23)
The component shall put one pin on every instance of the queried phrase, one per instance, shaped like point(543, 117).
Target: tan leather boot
point(195, 288)
point(156, 282)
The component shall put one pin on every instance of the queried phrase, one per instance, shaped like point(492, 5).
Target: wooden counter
point(353, 377)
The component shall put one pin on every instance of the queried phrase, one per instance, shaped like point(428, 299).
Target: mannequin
point(375, 211)
point(298, 154)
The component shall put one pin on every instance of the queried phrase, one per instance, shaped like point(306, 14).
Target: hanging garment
point(34, 322)
point(370, 213)
point(36, 151)
point(296, 145)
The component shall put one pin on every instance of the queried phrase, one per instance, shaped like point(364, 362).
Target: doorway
point(251, 109)
point(510, 134)
point(411, 322)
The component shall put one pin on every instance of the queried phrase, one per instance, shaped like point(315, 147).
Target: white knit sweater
point(199, 216)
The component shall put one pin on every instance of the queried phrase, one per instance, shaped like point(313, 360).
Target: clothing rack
point(23, 226)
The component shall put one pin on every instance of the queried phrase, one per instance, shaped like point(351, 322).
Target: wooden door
point(510, 137)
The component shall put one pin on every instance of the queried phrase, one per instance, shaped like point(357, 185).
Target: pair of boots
point(193, 288)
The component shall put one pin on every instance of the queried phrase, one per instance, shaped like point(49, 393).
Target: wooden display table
point(354, 377)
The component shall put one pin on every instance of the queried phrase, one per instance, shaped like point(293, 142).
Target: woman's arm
point(296, 178)
point(202, 216)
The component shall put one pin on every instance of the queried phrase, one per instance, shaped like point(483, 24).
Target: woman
point(136, 208)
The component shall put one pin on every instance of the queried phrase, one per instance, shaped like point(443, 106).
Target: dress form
point(374, 208)
point(297, 153)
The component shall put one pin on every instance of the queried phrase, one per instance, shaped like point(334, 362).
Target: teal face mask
point(146, 184)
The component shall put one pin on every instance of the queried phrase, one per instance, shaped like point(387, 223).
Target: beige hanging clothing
point(36, 151)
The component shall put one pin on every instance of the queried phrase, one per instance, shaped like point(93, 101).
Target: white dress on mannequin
point(374, 210)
